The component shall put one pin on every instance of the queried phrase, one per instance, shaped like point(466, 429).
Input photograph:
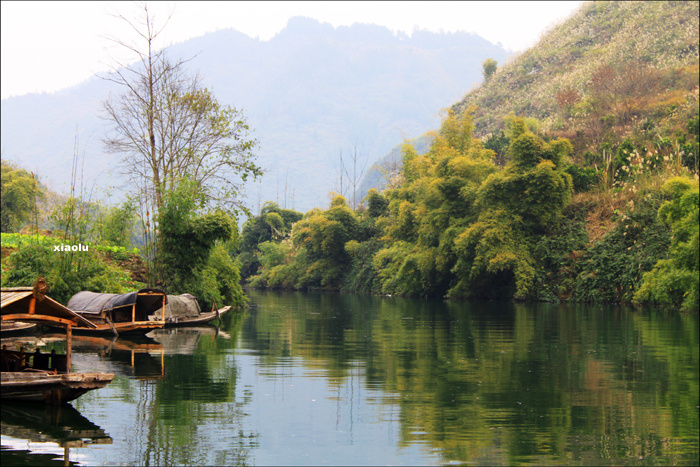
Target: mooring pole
point(69, 347)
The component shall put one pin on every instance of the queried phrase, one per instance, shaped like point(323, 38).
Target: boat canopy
point(180, 306)
point(146, 301)
point(21, 304)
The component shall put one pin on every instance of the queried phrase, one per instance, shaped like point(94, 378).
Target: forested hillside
point(570, 174)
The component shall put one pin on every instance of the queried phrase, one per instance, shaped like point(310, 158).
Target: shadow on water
point(49, 431)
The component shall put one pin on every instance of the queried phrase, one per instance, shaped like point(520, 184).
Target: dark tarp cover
point(96, 303)
point(180, 306)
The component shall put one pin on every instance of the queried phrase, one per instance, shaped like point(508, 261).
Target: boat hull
point(203, 318)
point(133, 327)
point(48, 388)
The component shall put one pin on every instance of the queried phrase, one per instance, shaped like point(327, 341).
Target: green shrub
point(583, 178)
point(66, 273)
point(191, 257)
point(676, 281)
point(557, 256)
point(612, 269)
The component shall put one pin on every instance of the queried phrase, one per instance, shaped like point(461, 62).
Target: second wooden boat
point(184, 310)
point(119, 313)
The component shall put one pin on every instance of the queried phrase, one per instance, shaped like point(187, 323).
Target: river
point(321, 379)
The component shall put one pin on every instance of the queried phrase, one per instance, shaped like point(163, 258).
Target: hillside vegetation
point(570, 174)
point(652, 46)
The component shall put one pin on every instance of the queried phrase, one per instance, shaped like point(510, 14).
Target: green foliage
point(272, 254)
point(490, 65)
point(227, 278)
point(273, 224)
point(276, 224)
point(455, 133)
point(675, 281)
point(537, 196)
point(376, 203)
point(533, 184)
point(323, 235)
point(67, 272)
point(499, 144)
point(427, 212)
point(88, 271)
point(494, 258)
point(362, 277)
point(187, 241)
point(557, 256)
point(387, 262)
point(583, 178)
point(516, 204)
point(116, 224)
point(458, 226)
point(611, 270)
point(274, 271)
point(329, 249)
point(20, 190)
point(15, 240)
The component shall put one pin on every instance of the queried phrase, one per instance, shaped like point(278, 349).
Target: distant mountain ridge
point(309, 92)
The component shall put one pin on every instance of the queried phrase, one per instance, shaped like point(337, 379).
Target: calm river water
point(309, 379)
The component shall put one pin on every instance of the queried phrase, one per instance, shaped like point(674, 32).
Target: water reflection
point(500, 382)
point(137, 357)
point(185, 340)
point(318, 379)
point(49, 431)
point(191, 416)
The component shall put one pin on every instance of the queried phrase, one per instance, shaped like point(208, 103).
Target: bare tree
point(356, 176)
point(622, 92)
point(166, 126)
point(341, 172)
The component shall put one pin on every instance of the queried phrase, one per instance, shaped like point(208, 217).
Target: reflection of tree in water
point(194, 416)
point(504, 383)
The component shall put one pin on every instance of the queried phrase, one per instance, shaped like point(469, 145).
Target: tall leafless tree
point(166, 126)
point(355, 177)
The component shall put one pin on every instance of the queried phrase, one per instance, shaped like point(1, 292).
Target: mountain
point(603, 72)
point(309, 93)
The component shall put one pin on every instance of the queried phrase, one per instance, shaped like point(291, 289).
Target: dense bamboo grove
point(457, 225)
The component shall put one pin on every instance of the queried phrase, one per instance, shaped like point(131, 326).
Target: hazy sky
point(47, 46)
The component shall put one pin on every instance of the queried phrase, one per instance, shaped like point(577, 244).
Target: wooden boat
point(119, 314)
point(184, 310)
point(36, 376)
